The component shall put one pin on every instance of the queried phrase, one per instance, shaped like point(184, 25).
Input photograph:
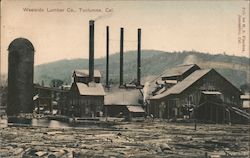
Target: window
point(190, 100)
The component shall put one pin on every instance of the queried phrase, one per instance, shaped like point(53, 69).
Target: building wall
point(86, 106)
point(45, 98)
point(116, 110)
point(63, 102)
point(121, 111)
point(47, 95)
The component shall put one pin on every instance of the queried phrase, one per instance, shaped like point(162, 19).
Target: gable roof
point(181, 86)
point(95, 89)
point(85, 73)
point(118, 96)
point(187, 82)
point(179, 70)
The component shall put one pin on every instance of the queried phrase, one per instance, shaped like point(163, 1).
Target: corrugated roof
point(85, 73)
point(95, 89)
point(118, 96)
point(135, 109)
point(181, 86)
point(177, 71)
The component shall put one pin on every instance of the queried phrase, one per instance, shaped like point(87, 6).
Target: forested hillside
point(234, 68)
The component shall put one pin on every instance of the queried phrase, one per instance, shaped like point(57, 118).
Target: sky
point(207, 26)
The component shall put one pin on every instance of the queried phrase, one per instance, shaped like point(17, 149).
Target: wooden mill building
point(189, 90)
point(86, 99)
point(50, 98)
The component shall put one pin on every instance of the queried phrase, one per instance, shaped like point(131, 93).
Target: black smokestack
point(139, 58)
point(107, 58)
point(121, 57)
point(91, 50)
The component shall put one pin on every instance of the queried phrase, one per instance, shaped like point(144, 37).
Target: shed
point(118, 101)
point(246, 102)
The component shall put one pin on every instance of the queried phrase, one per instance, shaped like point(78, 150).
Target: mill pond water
point(34, 123)
point(58, 122)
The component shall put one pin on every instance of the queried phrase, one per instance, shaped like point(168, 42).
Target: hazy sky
point(206, 26)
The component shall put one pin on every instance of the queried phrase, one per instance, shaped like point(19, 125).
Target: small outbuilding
point(122, 102)
point(246, 102)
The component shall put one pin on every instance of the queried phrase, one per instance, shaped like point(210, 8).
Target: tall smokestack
point(91, 50)
point(107, 58)
point(121, 58)
point(139, 58)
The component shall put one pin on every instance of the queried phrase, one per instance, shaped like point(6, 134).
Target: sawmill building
point(203, 93)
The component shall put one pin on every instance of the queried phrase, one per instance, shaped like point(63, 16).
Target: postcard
point(137, 78)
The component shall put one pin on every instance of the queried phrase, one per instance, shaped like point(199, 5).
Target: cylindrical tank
point(20, 77)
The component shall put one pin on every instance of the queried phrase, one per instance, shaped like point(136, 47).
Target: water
point(34, 123)
point(51, 123)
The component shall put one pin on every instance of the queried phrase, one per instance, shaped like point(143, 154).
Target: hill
point(234, 68)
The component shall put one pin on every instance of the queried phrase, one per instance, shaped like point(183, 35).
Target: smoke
point(248, 76)
point(146, 91)
point(107, 15)
point(191, 59)
point(119, 96)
